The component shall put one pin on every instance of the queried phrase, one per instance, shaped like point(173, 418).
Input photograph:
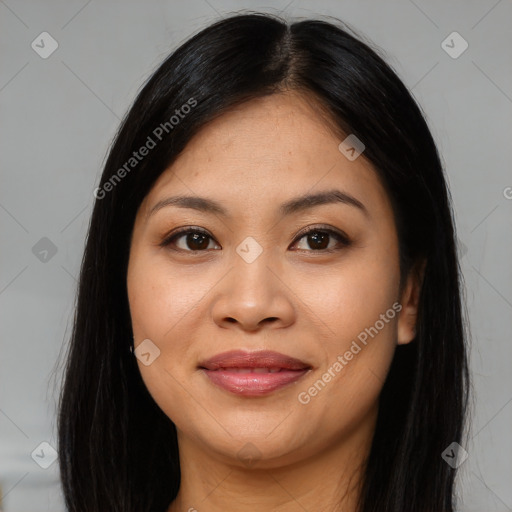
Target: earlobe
point(410, 303)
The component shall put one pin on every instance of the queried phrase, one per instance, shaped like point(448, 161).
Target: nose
point(252, 296)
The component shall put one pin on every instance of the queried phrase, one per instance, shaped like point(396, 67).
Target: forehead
point(268, 150)
point(285, 126)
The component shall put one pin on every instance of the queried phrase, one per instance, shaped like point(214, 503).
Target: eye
point(194, 240)
point(319, 238)
point(198, 240)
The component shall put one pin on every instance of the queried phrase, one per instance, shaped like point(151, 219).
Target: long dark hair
point(117, 450)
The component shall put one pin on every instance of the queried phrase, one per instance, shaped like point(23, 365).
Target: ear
point(410, 301)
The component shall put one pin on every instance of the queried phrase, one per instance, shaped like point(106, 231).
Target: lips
point(253, 373)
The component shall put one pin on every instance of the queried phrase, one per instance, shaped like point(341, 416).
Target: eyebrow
point(290, 207)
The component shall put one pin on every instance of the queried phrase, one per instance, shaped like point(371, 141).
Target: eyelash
point(342, 239)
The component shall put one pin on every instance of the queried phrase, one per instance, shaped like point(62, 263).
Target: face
point(248, 277)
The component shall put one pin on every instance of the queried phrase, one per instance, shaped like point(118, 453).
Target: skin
point(293, 298)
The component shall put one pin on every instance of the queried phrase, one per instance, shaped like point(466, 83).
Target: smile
point(253, 373)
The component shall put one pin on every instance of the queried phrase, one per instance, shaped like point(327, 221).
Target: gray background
point(59, 115)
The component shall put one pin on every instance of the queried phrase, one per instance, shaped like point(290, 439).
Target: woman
point(269, 312)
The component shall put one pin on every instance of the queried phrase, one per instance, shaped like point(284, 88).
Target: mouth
point(253, 373)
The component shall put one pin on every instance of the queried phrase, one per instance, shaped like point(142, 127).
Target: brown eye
point(319, 239)
point(189, 240)
point(197, 240)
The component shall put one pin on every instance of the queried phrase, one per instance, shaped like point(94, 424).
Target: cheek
point(160, 298)
point(359, 304)
point(160, 305)
point(352, 296)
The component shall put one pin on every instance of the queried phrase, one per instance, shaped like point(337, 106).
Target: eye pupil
point(314, 238)
point(194, 237)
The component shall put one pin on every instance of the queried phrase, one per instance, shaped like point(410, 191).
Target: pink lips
point(253, 373)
